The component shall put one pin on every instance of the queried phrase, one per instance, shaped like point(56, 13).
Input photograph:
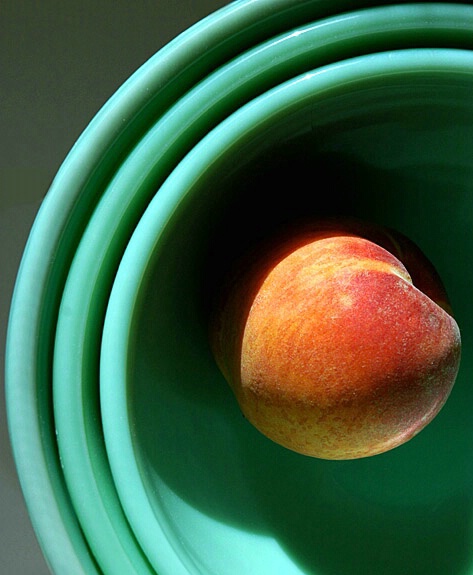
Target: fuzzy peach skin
point(332, 346)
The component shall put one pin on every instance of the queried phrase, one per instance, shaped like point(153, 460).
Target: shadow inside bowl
point(398, 155)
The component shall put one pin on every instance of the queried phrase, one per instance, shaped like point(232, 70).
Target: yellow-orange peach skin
point(337, 339)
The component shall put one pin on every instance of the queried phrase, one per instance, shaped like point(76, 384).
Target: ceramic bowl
point(385, 137)
point(86, 290)
point(79, 185)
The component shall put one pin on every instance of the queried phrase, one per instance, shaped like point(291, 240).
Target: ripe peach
point(337, 339)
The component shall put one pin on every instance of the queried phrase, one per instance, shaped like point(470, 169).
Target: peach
point(337, 339)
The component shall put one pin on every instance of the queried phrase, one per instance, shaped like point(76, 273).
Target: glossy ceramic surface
point(189, 469)
point(97, 256)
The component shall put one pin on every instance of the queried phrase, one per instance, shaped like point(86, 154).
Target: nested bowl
point(353, 138)
point(399, 153)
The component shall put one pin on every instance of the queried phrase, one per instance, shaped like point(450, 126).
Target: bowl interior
point(92, 270)
point(391, 146)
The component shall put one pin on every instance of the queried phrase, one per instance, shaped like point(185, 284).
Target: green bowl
point(104, 239)
point(385, 137)
point(66, 210)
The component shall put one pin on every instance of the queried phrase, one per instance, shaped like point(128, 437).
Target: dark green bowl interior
point(398, 151)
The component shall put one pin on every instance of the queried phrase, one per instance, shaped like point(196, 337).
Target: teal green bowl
point(81, 181)
point(85, 296)
point(385, 137)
